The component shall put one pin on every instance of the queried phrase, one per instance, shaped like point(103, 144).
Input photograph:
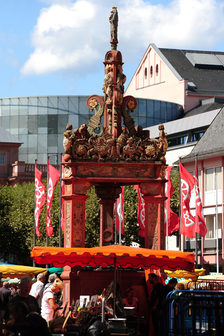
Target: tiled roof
point(208, 80)
point(212, 142)
point(185, 124)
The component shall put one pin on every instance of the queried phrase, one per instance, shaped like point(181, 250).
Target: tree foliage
point(175, 178)
point(17, 219)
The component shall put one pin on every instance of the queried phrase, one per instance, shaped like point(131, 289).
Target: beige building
point(183, 77)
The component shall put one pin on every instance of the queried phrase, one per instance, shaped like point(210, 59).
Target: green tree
point(175, 199)
point(130, 214)
point(92, 234)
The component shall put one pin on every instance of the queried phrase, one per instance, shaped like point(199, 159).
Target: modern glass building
point(39, 122)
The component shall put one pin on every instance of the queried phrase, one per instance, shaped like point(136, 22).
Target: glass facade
point(39, 122)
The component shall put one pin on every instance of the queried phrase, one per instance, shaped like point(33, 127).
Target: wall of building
point(8, 155)
point(39, 122)
point(158, 85)
point(211, 177)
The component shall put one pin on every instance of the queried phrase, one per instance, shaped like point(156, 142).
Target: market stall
point(123, 265)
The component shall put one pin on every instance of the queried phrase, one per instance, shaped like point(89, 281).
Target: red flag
point(187, 220)
point(141, 212)
point(170, 216)
point(53, 178)
point(120, 212)
point(199, 219)
point(40, 198)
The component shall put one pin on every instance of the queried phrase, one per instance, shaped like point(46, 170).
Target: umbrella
point(115, 256)
point(58, 270)
point(185, 274)
point(20, 271)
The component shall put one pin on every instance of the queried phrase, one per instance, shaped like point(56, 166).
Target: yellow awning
point(19, 271)
point(185, 274)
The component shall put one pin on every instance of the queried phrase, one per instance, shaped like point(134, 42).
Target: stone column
point(154, 215)
point(74, 196)
point(108, 195)
point(74, 206)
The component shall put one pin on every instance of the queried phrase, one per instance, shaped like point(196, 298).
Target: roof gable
point(163, 58)
point(212, 142)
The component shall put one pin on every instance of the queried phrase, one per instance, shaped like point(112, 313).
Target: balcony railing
point(22, 169)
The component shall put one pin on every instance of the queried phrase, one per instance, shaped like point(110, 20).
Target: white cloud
point(74, 35)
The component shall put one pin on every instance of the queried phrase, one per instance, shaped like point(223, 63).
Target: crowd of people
point(28, 309)
point(158, 304)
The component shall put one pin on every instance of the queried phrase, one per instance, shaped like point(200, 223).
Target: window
point(213, 176)
point(177, 141)
point(151, 70)
point(211, 226)
point(145, 73)
point(209, 179)
point(2, 158)
point(157, 69)
point(196, 136)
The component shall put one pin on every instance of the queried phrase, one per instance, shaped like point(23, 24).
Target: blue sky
point(57, 47)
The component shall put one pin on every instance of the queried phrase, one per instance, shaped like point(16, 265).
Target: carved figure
point(150, 151)
point(113, 19)
point(121, 79)
point(102, 148)
point(121, 142)
point(108, 84)
point(132, 151)
point(162, 144)
point(67, 140)
point(94, 127)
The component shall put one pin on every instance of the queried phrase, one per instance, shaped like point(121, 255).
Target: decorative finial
point(113, 19)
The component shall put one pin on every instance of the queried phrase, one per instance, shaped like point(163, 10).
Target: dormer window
point(151, 70)
point(145, 73)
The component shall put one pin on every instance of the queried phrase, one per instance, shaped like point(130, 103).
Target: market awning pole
point(115, 224)
point(115, 284)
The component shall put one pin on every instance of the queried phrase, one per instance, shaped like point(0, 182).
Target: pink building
point(195, 80)
point(184, 77)
point(209, 152)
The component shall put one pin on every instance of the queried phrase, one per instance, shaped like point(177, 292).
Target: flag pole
point(196, 238)
point(115, 224)
point(180, 211)
point(216, 223)
point(34, 228)
point(60, 212)
point(120, 220)
point(47, 193)
point(167, 209)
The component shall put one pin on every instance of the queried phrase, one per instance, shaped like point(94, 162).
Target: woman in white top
point(48, 305)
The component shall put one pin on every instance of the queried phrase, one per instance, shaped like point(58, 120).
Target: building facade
point(183, 77)
point(9, 148)
point(39, 122)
